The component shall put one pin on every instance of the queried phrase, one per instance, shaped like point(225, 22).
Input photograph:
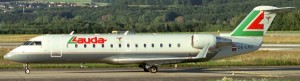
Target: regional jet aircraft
point(147, 50)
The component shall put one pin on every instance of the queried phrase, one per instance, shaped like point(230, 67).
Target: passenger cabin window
point(102, 45)
point(136, 45)
point(94, 45)
point(76, 45)
point(128, 45)
point(33, 43)
point(111, 45)
point(84, 45)
point(120, 45)
point(170, 45)
point(178, 45)
point(152, 45)
point(161, 45)
point(145, 45)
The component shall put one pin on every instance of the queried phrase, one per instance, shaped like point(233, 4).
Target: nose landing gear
point(27, 71)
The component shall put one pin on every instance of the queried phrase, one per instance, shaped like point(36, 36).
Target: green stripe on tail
point(240, 30)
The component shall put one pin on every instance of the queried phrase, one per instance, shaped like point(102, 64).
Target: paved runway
point(136, 74)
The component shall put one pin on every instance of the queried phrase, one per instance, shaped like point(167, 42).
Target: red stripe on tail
point(256, 24)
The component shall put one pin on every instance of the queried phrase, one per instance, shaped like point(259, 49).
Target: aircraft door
point(55, 46)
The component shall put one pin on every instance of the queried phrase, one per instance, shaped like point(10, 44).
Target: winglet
point(203, 52)
point(126, 33)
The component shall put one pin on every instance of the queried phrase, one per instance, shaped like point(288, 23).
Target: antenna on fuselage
point(125, 33)
point(72, 33)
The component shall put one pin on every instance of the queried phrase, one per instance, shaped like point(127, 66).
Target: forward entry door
point(55, 46)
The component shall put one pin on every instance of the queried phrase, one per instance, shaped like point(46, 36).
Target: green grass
point(283, 32)
point(282, 39)
point(16, 38)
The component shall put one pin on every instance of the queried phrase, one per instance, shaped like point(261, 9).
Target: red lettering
point(87, 40)
point(80, 40)
point(101, 40)
point(93, 40)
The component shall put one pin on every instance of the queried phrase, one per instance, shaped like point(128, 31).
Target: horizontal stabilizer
point(270, 8)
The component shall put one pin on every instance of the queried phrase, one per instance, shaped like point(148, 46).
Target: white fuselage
point(105, 48)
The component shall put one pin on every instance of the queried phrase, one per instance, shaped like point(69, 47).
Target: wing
point(161, 60)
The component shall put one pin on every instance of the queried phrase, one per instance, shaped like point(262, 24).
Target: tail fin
point(257, 22)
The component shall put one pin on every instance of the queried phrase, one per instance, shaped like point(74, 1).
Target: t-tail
point(257, 22)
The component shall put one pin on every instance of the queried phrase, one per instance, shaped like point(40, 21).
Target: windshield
point(32, 43)
point(27, 43)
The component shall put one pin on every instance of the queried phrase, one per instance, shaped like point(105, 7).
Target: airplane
point(146, 50)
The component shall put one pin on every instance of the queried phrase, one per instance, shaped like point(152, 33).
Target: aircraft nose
point(7, 56)
point(13, 56)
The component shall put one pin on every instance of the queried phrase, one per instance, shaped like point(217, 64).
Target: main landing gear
point(27, 71)
point(148, 68)
point(152, 69)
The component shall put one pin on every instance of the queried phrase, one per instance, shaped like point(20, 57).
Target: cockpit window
point(27, 43)
point(36, 43)
point(33, 43)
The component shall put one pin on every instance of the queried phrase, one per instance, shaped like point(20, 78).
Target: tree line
point(145, 16)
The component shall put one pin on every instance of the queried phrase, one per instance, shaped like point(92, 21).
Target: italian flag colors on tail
point(251, 25)
point(255, 24)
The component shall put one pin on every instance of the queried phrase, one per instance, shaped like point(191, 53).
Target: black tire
point(27, 71)
point(152, 69)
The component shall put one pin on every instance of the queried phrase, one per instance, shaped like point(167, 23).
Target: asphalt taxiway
point(136, 74)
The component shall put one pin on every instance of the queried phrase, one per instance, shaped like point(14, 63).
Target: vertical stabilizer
point(257, 22)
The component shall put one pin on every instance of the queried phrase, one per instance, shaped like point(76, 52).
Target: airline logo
point(83, 40)
point(252, 25)
point(256, 24)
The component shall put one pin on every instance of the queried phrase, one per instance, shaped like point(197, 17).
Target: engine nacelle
point(199, 41)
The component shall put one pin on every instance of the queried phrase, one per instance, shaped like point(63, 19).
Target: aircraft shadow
point(209, 70)
point(193, 70)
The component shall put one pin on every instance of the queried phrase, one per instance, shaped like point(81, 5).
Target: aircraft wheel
point(27, 71)
point(152, 69)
